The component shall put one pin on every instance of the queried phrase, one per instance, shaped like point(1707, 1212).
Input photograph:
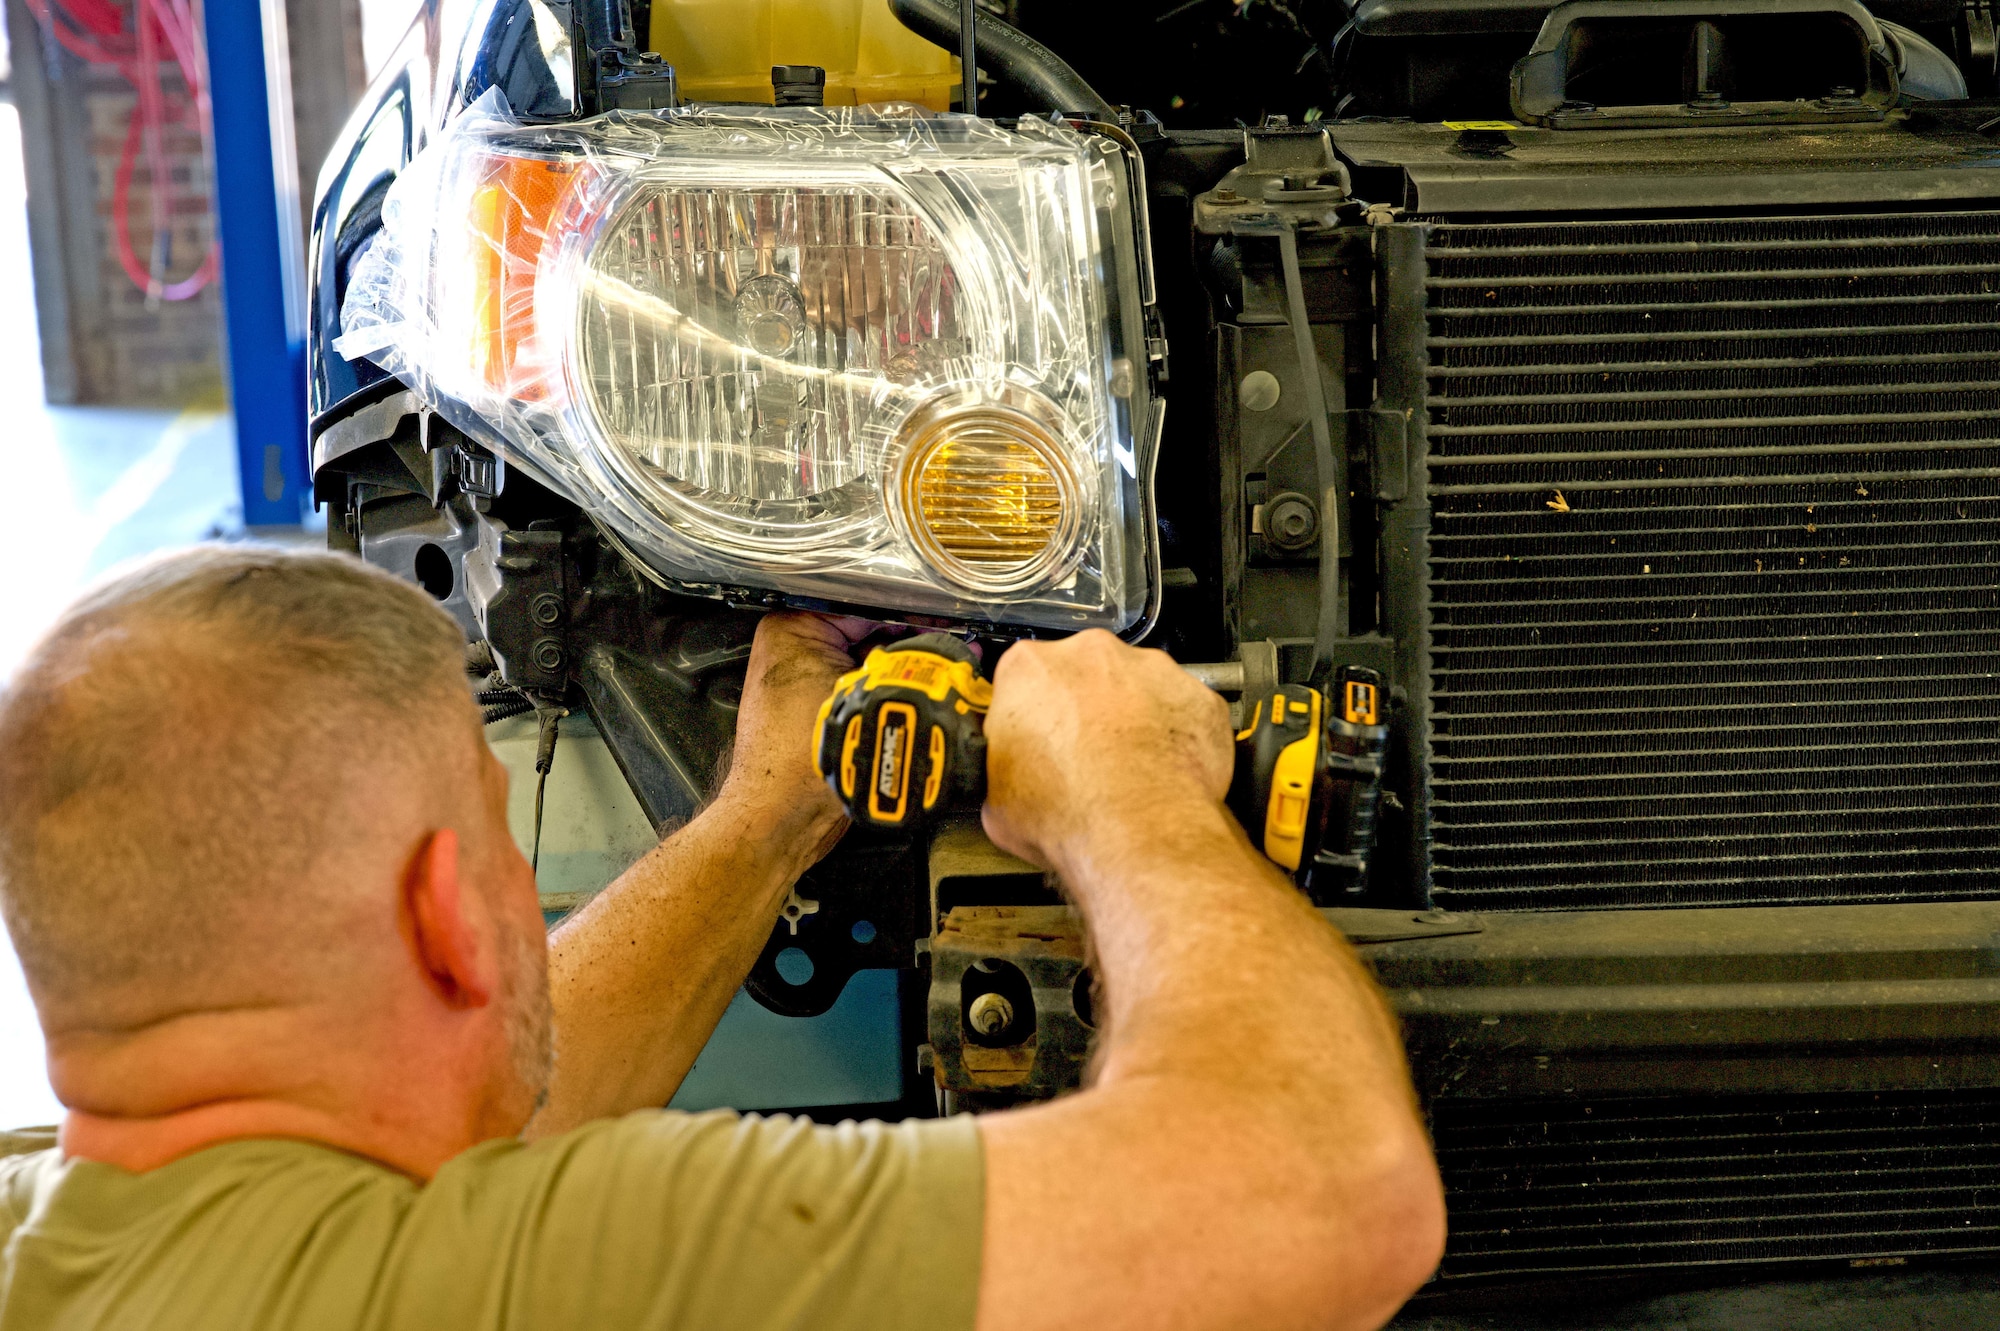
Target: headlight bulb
point(771, 316)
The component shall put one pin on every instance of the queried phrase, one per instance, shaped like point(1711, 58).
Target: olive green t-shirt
point(707, 1222)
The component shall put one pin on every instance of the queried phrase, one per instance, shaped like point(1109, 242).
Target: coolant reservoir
point(723, 50)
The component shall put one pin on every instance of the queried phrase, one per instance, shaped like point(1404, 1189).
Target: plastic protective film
point(880, 358)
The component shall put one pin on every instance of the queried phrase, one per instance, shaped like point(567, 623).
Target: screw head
point(990, 1014)
point(548, 655)
point(1259, 391)
point(547, 609)
point(1291, 522)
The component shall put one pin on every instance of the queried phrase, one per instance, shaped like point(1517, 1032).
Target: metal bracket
point(1290, 177)
point(514, 583)
point(1032, 957)
point(627, 82)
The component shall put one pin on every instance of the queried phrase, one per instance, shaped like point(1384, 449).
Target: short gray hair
point(175, 754)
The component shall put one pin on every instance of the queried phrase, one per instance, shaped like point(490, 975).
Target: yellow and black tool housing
point(1308, 780)
point(904, 737)
point(1355, 740)
point(1277, 773)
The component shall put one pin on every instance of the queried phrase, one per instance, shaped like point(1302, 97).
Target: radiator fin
point(1541, 1188)
point(1715, 561)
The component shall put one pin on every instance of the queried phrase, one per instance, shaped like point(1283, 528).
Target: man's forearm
point(1251, 1113)
point(1215, 965)
point(640, 976)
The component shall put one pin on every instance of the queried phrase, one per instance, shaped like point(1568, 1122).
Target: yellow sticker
point(1480, 124)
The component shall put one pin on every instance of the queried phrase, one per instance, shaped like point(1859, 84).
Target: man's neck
point(144, 1099)
point(143, 1144)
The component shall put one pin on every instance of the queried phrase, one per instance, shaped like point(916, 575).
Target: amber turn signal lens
point(986, 490)
point(515, 212)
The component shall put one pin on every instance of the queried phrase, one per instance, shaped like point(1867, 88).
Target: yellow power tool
point(903, 739)
point(1308, 781)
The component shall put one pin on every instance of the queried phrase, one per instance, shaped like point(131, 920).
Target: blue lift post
point(263, 263)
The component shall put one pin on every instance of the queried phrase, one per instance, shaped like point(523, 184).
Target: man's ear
point(442, 934)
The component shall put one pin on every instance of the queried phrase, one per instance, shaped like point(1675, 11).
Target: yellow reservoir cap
point(723, 50)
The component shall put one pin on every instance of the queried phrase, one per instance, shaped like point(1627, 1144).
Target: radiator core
point(1538, 1188)
point(1714, 577)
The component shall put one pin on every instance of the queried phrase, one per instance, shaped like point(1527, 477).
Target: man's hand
point(640, 976)
point(793, 665)
point(1088, 733)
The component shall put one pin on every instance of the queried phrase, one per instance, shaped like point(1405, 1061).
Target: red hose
point(95, 31)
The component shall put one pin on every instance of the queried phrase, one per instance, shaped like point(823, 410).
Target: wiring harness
point(133, 41)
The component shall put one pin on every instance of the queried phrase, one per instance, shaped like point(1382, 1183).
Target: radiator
point(1714, 575)
point(1541, 1188)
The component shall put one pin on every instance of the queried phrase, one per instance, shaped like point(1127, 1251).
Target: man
point(255, 860)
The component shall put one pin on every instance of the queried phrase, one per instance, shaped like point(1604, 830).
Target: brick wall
point(155, 351)
point(103, 340)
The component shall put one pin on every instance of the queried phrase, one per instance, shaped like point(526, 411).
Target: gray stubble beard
point(528, 1014)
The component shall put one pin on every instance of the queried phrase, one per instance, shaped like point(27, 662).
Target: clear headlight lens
point(886, 361)
point(735, 344)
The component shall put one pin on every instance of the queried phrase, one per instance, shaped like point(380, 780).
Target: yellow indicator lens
point(988, 500)
point(987, 491)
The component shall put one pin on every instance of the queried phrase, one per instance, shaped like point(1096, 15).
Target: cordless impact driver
point(903, 740)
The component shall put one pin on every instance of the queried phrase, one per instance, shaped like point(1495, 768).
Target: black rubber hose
point(1012, 55)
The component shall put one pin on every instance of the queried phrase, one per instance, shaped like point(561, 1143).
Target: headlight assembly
point(886, 360)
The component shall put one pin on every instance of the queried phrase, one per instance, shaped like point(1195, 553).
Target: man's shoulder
point(714, 1219)
point(26, 1141)
point(674, 1134)
point(686, 1219)
point(25, 1155)
point(677, 1177)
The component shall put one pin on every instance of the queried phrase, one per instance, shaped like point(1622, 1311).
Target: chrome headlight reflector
point(883, 360)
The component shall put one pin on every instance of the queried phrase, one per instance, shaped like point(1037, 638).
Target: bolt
point(1221, 195)
point(990, 1014)
point(1290, 522)
point(548, 610)
point(548, 655)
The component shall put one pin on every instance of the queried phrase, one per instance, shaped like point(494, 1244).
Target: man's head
point(239, 780)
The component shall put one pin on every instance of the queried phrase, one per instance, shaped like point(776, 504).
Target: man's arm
point(1250, 1154)
point(639, 977)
